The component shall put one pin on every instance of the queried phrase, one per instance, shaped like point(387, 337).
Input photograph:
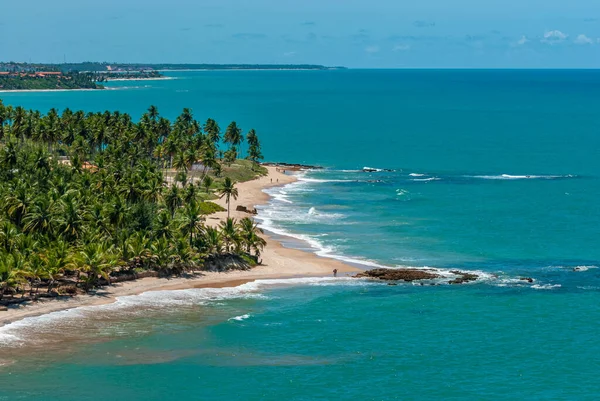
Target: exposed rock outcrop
point(528, 279)
point(249, 210)
point(463, 277)
point(398, 274)
point(415, 275)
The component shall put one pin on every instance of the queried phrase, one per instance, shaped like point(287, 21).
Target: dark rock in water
point(463, 277)
point(245, 209)
point(528, 279)
point(398, 274)
point(392, 284)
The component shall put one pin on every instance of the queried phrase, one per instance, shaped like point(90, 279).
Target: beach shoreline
point(278, 262)
point(140, 79)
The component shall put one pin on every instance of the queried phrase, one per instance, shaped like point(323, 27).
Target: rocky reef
point(410, 275)
point(462, 277)
point(398, 274)
point(249, 210)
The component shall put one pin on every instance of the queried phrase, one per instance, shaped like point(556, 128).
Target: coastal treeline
point(87, 198)
point(37, 81)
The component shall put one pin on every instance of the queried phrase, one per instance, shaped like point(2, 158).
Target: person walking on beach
point(334, 272)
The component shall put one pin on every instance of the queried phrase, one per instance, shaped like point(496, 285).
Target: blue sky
point(353, 33)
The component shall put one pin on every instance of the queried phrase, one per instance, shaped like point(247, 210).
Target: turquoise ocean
point(491, 171)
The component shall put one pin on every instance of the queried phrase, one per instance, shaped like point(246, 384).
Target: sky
point(352, 33)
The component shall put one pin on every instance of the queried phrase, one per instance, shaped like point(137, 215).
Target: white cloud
point(583, 40)
point(553, 37)
point(372, 49)
point(522, 41)
point(289, 54)
point(401, 48)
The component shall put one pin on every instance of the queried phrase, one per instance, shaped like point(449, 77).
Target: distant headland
point(90, 75)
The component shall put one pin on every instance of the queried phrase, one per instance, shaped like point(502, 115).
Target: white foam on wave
point(582, 268)
point(271, 217)
point(282, 197)
point(318, 180)
point(426, 179)
point(545, 286)
point(376, 170)
point(32, 329)
point(519, 177)
point(416, 175)
point(239, 318)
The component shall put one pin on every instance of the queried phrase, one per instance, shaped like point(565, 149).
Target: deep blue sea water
point(491, 171)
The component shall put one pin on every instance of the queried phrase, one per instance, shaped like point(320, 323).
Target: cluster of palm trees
point(85, 198)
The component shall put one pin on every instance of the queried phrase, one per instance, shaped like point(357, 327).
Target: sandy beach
point(277, 262)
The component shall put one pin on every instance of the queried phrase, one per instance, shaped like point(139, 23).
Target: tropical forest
point(88, 199)
point(40, 81)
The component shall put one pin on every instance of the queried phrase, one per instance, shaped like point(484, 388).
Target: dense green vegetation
point(103, 66)
point(30, 81)
point(86, 198)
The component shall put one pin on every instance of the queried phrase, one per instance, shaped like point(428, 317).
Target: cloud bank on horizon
point(354, 33)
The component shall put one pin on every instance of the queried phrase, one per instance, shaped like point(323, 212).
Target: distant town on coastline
point(88, 75)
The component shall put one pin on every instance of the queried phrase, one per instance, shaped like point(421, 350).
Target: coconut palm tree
point(233, 135)
point(228, 191)
point(97, 261)
point(229, 233)
point(207, 182)
point(212, 242)
point(191, 220)
point(249, 234)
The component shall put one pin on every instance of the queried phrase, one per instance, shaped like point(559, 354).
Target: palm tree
point(249, 235)
point(191, 220)
point(212, 131)
point(162, 225)
point(153, 113)
point(233, 135)
point(41, 218)
point(228, 190)
point(229, 233)
point(173, 199)
point(206, 183)
point(212, 242)
point(96, 260)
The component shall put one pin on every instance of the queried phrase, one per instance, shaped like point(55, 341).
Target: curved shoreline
point(279, 262)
